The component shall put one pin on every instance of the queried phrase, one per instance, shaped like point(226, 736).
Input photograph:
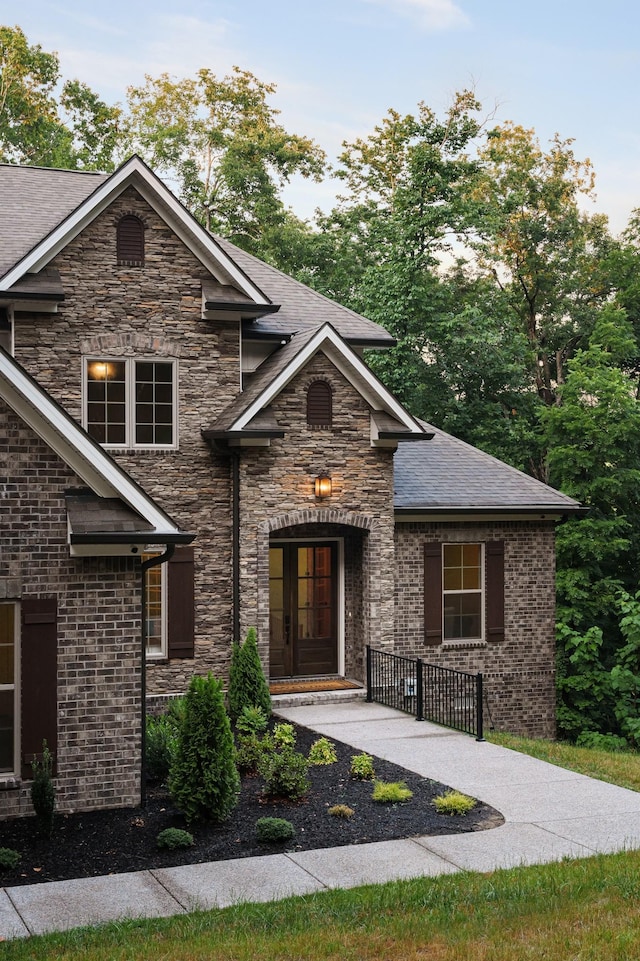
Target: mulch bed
point(112, 842)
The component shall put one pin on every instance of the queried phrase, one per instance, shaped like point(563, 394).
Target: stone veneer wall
point(99, 657)
point(519, 672)
point(153, 311)
point(277, 495)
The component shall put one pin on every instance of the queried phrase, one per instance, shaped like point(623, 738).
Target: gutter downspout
point(144, 567)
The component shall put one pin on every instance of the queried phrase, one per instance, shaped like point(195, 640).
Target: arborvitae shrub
point(43, 795)
point(247, 684)
point(160, 746)
point(204, 781)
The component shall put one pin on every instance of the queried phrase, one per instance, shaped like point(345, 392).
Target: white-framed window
point(462, 592)
point(156, 609)
point(9, 688)
point(131, 402)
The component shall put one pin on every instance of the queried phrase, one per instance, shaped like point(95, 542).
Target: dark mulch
point(110, 842)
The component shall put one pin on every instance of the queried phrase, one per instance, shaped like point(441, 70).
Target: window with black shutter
point(130, 241)
point(319, 404)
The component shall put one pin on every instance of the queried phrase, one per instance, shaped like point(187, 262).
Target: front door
point(303, 609)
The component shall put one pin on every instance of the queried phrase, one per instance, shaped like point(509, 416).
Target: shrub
point(252, 720)
point(274, 830)
point(174, 838)
point(9, 858)
point(247, 684)
point(453, 802)
point(362, 767)
point(603, 742)
point(391, 792)
point(284, 773)
point(322, 751)
point(204, 781)
point(161, 744)
point(341, 811)
point(43, 796)
point(284, 735)
point(176, 711)
point(249, 750)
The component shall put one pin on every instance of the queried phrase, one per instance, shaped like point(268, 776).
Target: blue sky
point(566, 66)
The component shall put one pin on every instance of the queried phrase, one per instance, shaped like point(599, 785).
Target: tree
point(30, 131)
point(541, 250)
point(220, 141)
point(247, 684)
point(593, 438)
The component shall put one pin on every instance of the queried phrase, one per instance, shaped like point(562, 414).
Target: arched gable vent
point(130, 241)
point(319, 404)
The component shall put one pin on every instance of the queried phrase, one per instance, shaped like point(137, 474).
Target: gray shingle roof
point(301, 307)
point(445, 474)
point(34, 201)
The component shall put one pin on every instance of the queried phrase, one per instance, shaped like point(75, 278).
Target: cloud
point(432, 15)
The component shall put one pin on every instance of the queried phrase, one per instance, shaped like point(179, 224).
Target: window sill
point(9, 782)
point(462, 644)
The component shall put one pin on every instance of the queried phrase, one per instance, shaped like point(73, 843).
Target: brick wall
point(99, 657)
point(519, 671)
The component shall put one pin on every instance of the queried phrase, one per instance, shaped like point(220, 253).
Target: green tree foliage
point(248, 687)
point(204, 781)
point(219, 140)
point(541, 250)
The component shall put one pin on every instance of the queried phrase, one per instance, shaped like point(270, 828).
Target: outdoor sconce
point(323, 486)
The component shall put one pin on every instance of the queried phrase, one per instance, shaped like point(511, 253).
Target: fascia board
point(73, 445)
point(157, 195)
point(349, 365)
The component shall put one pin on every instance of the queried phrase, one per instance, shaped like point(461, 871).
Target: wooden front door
point(303, 609)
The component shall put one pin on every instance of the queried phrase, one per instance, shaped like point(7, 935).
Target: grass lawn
point(585, 910)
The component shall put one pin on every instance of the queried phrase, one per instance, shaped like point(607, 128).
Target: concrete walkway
point(549, 814)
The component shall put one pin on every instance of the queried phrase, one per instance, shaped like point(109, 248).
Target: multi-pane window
point(8, 688)
point(131, 403)
point(156, 620)
point(462, 591)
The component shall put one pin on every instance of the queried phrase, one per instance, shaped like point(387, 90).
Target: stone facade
point(519, 676)
point(153, 311)
point(99, 659)
point(277, 501)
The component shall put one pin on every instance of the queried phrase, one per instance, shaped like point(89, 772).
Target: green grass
point(587, 910)
point(618, 768)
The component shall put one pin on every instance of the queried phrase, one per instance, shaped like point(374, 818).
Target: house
point(158, 385)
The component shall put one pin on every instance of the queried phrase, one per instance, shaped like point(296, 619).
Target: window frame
point(459, 592)
point(130, 380)
point(15, 687)
point(162, 570)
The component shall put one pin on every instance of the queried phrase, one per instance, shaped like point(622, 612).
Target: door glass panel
point(305, 561)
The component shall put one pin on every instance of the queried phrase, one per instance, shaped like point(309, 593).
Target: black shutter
point(130, 241)
point(495, 590)
point(39, 672)
point(319, 404)
point(433, 593)
point(180, 600)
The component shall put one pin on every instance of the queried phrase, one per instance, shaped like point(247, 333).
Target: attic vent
point(319, 404)
point(131, 241)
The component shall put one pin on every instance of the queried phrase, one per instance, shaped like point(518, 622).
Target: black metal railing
point(428, 691)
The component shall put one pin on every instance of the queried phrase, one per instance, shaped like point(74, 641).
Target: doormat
point(302, 687)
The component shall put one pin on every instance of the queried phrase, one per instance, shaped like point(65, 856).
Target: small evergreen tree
point(43, 795)
point(204, 781)
point(247, 684)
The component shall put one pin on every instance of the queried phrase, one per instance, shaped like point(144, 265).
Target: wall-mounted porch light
point(322, 486)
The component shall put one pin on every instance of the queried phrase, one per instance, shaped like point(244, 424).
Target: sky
point(570, 67)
